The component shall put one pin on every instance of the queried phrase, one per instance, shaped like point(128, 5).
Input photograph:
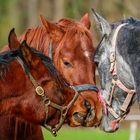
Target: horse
point(40, 96)
point(69, 44)
point(118, 60)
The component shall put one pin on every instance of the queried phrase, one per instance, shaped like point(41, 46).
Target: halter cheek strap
point(116, 81)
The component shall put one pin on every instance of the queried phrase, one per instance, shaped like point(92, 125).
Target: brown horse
point(40, 96)
point(71, 52)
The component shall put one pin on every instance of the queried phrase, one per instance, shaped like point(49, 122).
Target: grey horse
point(118, 60)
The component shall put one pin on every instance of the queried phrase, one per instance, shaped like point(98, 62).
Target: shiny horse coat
point(39, 96)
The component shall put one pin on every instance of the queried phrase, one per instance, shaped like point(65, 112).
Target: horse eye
point(66, 63)
point(97, 63)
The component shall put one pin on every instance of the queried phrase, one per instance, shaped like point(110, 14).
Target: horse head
point(46, 98)
point(72, 56)
point(116, 78)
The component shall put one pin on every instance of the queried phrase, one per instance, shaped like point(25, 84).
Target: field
point(88, 134)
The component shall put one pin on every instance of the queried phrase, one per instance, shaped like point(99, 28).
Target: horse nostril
point(87, 104)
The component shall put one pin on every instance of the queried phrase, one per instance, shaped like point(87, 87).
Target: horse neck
point(11, 80)
point(124, 74)
point(124, 71)
point(12, 84)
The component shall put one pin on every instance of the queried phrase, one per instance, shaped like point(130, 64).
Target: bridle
point(47, 102)
point(116, 82)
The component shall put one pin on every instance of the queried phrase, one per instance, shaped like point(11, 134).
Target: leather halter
point(117, 82)
point(47, 102)
point(78, 88)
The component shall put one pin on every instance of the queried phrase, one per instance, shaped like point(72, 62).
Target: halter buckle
point(39, 90)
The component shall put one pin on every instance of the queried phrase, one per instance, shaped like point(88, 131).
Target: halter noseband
point(117, 82)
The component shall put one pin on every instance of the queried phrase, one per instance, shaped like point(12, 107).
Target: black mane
point(8, 56)
point(49, 64)
point(130, 20)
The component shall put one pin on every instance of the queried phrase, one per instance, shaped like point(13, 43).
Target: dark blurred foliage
point(22, 14)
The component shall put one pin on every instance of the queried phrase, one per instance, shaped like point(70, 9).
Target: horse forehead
point(76, 52)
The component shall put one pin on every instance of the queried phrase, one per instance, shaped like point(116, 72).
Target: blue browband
point(85, 87)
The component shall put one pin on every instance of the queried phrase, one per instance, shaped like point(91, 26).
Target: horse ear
point(86, 21)
point(52, 29)
point(103, 25)
point(12, 40)
point(28, 55)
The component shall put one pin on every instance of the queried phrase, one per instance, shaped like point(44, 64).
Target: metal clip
point(40, 91)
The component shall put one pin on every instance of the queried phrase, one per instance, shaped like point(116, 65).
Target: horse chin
point(84, 119)
point(79, 117)
point(109, 126)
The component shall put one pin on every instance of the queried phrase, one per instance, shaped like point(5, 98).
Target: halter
point(47, 102)
point(117, 82)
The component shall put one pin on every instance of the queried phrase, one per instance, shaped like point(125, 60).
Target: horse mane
point(51, 68)
point(7, 57)
point(129, 20)
point(75, 30)
point(38, 33)
point(70, 27)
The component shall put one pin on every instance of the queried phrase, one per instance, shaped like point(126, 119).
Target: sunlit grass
point(67, 133)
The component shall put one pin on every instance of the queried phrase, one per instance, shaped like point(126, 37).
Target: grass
point(67, 133)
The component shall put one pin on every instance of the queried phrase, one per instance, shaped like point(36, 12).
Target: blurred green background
point(25, 13)
point(67, 133)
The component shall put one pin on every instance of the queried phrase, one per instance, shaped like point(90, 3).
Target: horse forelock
point(129, 20)
point(78, 36)
point(5, 59)
point(36, 38)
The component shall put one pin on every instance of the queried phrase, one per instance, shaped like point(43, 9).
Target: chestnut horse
point(40, 96)
point(71, 52)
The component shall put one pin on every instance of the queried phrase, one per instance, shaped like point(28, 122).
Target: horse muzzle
point(85, 118)
point(109, 126)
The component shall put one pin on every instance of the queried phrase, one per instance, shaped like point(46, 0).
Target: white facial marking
point(86, 53)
